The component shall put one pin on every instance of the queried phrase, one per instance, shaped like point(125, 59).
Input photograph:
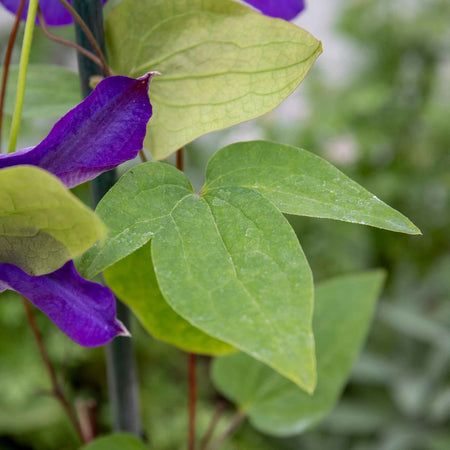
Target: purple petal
point(105, 130)
point(84, 310)
point(285, 9)
point(54, 12)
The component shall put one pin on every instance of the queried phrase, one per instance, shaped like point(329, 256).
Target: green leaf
point(231, 265)
point(43, 225)
point(343, 309)
point(221, 63)
point(51, 91)
point(133, 280)
point(118, 441)
point(134, 210)
point(299, 182)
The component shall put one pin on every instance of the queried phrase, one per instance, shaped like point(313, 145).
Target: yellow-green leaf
point(221, 63)
point(42, 224)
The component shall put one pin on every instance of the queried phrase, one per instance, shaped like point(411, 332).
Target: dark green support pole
point(122, 373)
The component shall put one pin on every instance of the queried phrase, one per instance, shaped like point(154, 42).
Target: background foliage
point(386, 126)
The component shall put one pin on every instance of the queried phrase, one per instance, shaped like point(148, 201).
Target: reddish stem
point(236, 421)
point(192, 359)
point(65, 42)
point(87, 417)
point(56, 388)
point(7, 63)
point(212, 426)
point(180, 162)
point(82, 24)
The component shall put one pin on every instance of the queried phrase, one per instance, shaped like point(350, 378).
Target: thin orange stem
point(56, 388)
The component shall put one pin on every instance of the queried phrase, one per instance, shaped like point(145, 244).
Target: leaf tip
point(410, 228)
point(319, 48)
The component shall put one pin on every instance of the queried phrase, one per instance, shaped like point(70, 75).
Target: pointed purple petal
point(54, 12)
point(84, 310)
point(285, 9)
point(105, 130)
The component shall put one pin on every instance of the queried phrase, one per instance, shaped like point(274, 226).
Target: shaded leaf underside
point(42, 225)
point(133, 280)
point(343, 310)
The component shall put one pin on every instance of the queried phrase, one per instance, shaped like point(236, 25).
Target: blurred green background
point(377, 105)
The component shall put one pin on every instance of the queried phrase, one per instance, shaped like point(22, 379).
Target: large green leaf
point(134, 210)
point(42, 225)
point(51, 91)
point(231, 264)
point(133, 280)
point(221, 63)
point(343, 310)
point(299, 182)
point(118, 441)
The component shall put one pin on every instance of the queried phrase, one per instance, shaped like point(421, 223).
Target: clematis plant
point(218, 272)
point(103, 131)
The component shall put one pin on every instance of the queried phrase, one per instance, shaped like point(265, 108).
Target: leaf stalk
point(23, 67)
point(7, 63)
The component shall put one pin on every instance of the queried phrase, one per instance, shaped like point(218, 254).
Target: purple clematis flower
point(106, 129)
point(54, 12)
point(84, 310)
point(285, 9)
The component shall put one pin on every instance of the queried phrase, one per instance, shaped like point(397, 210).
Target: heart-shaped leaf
point(221, 63)
point(231, 264)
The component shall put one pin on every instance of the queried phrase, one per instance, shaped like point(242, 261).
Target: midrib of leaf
point(262, 253)
point(190, 105)
point(136, 71)
point(42, 230)
point(267, 188)
point(233, 72)
point(277, 332)
point(19, 211)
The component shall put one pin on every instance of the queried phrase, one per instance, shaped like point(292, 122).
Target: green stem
point(24, 58)
point(121, 365)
